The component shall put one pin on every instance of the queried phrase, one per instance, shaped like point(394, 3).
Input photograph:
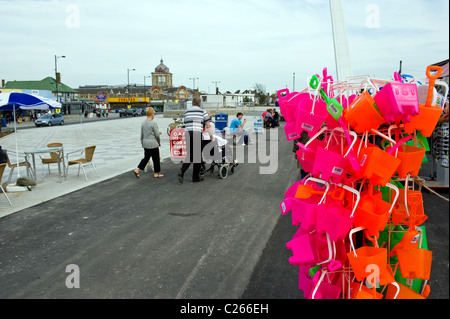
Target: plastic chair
point(53, 157)
point(13, 166)
point(2, 169)
point(84, 161)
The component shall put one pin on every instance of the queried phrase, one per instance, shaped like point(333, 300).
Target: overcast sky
point(236, 42)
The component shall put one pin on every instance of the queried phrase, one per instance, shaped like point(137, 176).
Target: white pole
point(17, 148)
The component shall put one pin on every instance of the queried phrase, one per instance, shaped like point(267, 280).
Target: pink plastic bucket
point(310, 119)
point(290, 131)
point(303, 211)
point(305, 283)
point(303, 249)
point(308, 248)
point(330, 166)
point(288, 103)
point(334, 219)
point(398, 101)
point(306, 156)
point(323, 289)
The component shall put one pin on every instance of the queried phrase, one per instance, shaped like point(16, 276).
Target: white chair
point(12, 166)
point(84, 161)
point(53, 157)
point(2, 169)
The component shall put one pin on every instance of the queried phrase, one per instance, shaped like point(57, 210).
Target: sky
point(239, 43)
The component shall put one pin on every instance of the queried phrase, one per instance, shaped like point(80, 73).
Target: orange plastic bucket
point(364, 257)
point(405, 293)
point(370, 158)
point(373, 213)
point(360, 291)
point(415, 208)
point(411, 159)
point(429, 114)
point(363, 114)
point(366, 260)
point(426, 121)
point(415, 263)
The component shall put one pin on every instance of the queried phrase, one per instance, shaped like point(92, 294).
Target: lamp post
point(293, 82)
point(56, 73)
point(215, 82)
point(128, 85)
point(193, 82)
point(145, 91)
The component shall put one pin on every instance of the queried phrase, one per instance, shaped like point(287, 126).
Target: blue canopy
point(25, 101)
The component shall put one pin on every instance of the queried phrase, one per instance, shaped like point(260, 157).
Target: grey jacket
point(150, 137)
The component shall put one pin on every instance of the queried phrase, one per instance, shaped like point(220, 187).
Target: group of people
point(271, 118)
point(199, 132)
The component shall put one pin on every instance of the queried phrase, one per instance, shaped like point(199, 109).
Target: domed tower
point(162, 77)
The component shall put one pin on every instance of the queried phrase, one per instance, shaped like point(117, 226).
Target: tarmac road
point(147, 238)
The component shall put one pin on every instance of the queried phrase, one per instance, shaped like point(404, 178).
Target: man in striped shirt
point(194, 120)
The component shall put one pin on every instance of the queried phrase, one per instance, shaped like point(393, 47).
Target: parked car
point(50, 119)
point(139, 112)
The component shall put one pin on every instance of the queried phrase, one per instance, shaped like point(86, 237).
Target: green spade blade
point(334, 108)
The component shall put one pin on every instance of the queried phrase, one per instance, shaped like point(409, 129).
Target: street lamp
point(293, 83)
point(145, 91)
point(216, 84)
point(128, 84)
point(56, 73)
point(193, 82)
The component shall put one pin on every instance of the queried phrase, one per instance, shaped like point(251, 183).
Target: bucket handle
point(398, 288)
point(330, 251)
point(322, 276)
point(279, 92)
point(397, 193)
point(305, 146)
point(295, 95)
point(393, 142)
point(399, 143)
point(358, 196)
point(355, 136)
point(350, 234)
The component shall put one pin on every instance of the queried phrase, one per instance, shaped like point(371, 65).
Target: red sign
point(177, 143)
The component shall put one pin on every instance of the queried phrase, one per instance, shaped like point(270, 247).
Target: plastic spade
point(306, 191)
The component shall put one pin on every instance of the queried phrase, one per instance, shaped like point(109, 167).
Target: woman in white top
point(150, 140)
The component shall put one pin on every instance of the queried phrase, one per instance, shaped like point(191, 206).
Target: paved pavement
point(156, 238)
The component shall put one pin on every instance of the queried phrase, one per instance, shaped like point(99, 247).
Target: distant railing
point(169, 106)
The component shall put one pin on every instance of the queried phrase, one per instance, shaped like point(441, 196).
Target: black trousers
point(193, 154)
point(152, 153)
